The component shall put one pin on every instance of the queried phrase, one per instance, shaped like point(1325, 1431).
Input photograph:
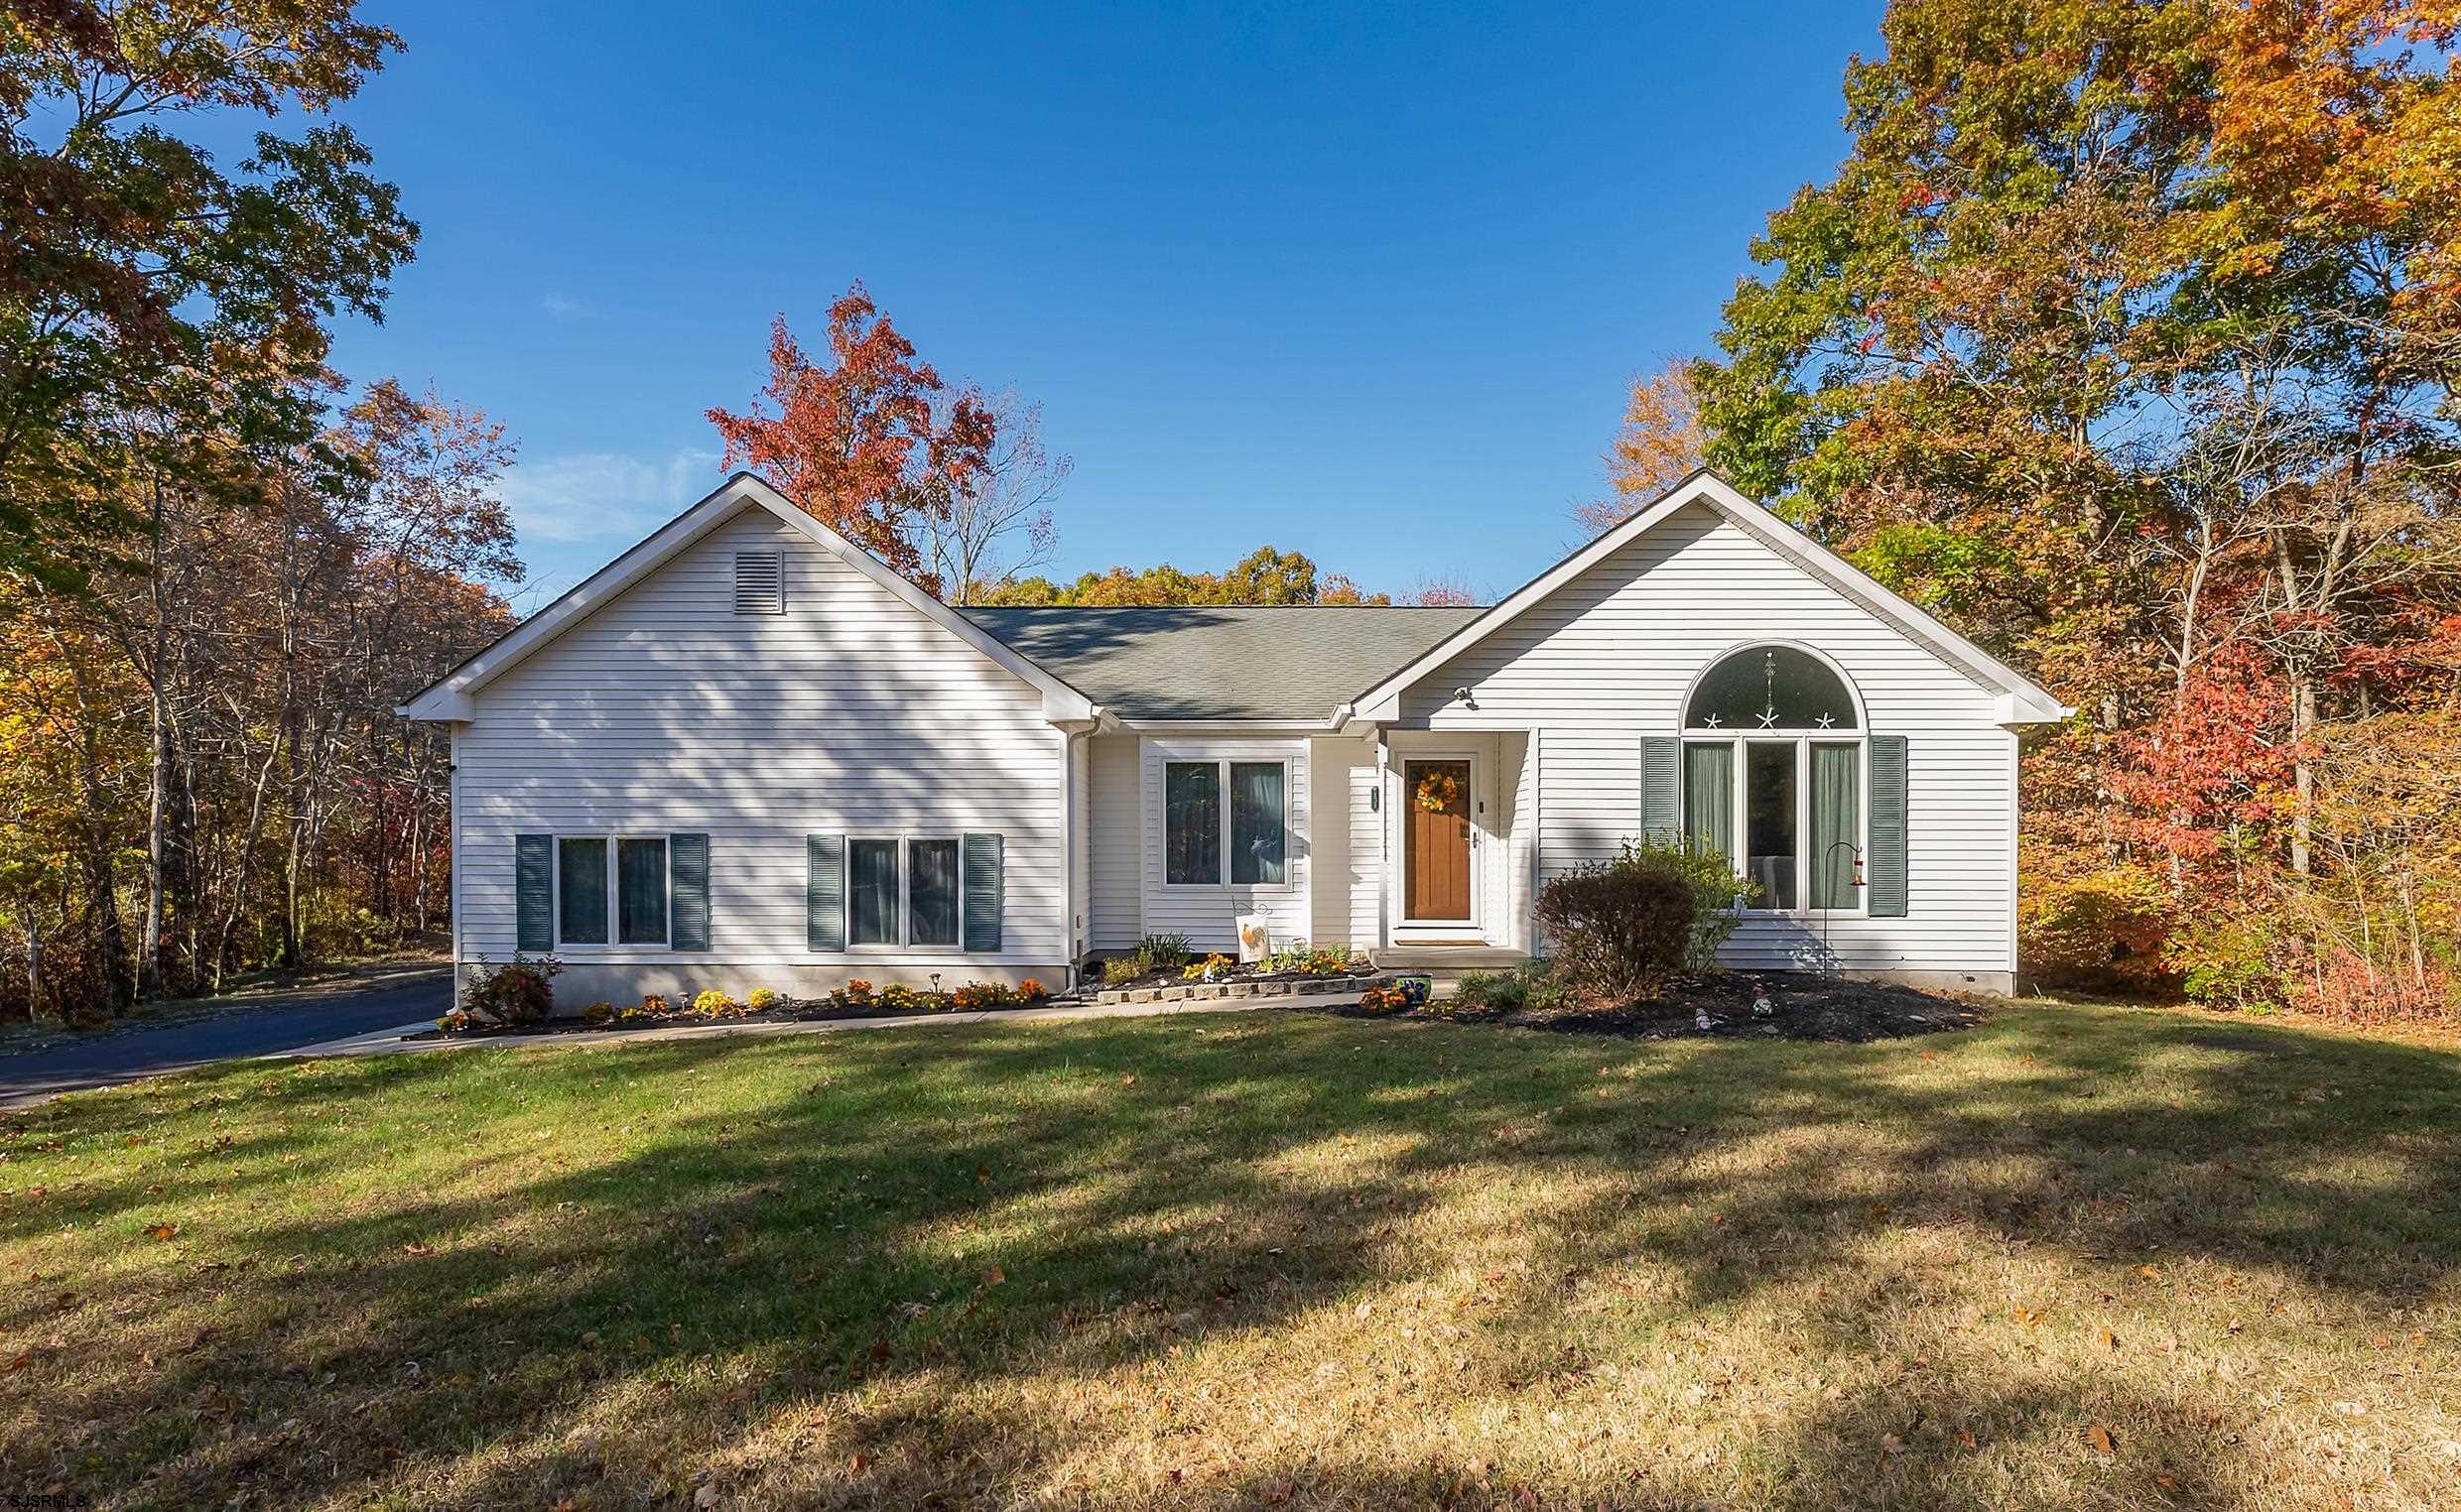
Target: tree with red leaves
point(855, 440)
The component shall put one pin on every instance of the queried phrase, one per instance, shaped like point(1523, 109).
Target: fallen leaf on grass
point(162, 1233)
point(2108, 1340)
point(1890, 1443)
point(2099, 1438)
point(1965, 1440)
point(995, 1275)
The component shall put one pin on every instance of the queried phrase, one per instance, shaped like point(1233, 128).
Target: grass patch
point(2077, 1257)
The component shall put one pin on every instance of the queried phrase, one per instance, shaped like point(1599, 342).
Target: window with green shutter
point(1775, 771)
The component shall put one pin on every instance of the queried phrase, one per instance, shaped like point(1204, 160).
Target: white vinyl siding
point(1336, 762)
point(1605, 661)
point(849, 714)
point(1080, 843)
point(1116, 853)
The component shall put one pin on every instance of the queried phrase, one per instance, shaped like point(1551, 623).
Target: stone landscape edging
point(1224, 991)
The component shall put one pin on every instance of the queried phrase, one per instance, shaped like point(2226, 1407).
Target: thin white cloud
point(563, 307)
point(604, 497)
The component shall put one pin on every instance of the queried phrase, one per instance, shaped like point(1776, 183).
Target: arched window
point(1771, 687)
point(1772, 759)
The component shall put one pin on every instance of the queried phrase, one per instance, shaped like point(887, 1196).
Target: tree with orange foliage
point(855, 438)
point(1659, 447)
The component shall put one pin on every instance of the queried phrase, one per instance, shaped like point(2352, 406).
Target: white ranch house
point(747, 754)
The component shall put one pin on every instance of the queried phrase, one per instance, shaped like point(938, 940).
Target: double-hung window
point(1774, 777)
point(1224, 820)
point(611, 889)
point(904, 892)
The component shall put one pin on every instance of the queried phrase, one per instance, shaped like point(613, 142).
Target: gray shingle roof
point(1295, 662)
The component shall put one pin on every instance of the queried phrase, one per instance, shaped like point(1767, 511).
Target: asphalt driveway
point(260, 1025)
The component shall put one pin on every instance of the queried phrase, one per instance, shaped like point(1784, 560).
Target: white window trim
point(1803, 740)
point(905, 943)
point(1221, 764)
point(614, 890)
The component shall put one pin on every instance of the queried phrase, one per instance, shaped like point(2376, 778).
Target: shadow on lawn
point(941, 1208)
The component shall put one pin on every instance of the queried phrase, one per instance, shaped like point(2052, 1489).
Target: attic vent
point(760, 582)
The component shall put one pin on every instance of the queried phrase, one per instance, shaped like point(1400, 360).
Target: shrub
point(599, 1012)
point(2106, 929)
point(2229, 963)
point(653, 1003)
point(1717, 892)
point(1206, 969)
point(857, 993)
point(1384, 1000)
point(516, 992)
point(1163, 953)
point(1623, 928)
point(762, 998)
point(1121, 970)
point(1530, 986)
point(1032, 991)
point(714, 1004)
point(1490, 989)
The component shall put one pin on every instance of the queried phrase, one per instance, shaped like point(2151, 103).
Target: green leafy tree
point(145, 288)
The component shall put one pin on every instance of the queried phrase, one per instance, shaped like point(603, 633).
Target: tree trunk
point(2303, 817)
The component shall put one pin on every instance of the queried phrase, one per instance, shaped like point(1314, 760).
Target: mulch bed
point(1803, 1008)
point(790, 1012)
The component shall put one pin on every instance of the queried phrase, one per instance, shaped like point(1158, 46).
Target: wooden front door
point(1436, 843)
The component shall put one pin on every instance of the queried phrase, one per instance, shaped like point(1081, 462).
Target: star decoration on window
point(1825, 720)
point(1769, 720)
point(1714, 720)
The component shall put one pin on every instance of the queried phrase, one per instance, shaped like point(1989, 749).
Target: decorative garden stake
point(1762, 1007)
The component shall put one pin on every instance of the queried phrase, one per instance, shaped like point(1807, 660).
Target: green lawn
point(2077, 1258)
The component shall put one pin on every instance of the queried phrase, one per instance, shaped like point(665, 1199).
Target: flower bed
point(856, 1000)
point(1162, 969)
point(1234, 987)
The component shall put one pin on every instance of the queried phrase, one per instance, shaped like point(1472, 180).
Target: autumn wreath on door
point(1438, 791)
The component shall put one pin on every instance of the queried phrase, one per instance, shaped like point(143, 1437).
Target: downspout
point(452, 842)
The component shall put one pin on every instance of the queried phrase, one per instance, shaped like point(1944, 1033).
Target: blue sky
point(1364, 282)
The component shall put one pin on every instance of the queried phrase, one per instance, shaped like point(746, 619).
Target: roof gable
point(450, 697)
point(2020, 700)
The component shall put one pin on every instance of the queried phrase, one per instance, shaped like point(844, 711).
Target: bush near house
point(516, 992)
point(1620, 928)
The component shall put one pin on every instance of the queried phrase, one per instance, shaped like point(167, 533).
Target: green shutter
point(824, 891)
point(534, 892)
point(1885, 866)
point(983, 892)
point(1658, 821)
point(687, 892)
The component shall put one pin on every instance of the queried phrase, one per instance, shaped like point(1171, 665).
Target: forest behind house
point(2124, 339)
